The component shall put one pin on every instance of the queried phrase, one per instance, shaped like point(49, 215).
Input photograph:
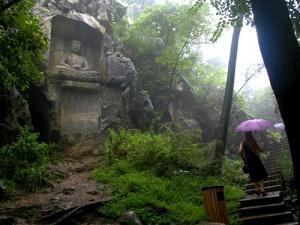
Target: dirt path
point(76, 189)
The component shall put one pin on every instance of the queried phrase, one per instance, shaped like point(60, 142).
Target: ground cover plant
point(162, 184)
point(23, 162)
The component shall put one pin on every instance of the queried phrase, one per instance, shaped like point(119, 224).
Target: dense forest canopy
point(170, 48)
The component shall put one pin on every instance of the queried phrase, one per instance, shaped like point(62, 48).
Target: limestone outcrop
point(88, 87)
point(182, 105)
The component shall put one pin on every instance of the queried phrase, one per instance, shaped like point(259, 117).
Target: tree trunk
point(281, 54)
point(222, 128)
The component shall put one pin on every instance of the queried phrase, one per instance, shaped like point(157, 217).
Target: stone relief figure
point(74, 59)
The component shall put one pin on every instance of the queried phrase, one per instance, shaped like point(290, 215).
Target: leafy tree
point(205, 78)
point(21, 44)
point(165, 50)
point(276, 23)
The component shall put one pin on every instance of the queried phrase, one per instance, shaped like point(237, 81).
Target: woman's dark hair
point(251, 140)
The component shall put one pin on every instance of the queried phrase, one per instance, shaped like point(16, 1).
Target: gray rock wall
point(88, 87)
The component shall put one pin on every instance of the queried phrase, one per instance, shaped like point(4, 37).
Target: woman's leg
point(262, 188)
point(257, 187)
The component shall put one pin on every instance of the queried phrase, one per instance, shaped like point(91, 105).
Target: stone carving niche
point(75, 65)
point(72, 39)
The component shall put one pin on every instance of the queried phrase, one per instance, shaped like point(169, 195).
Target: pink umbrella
point(279, 126)
point(253, 125)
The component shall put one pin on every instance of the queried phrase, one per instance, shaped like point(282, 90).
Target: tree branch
point(257, 70)
point(175, 66)
point(248, 79)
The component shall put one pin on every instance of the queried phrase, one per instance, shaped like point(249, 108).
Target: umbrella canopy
point(279, 126)
point(253, 125)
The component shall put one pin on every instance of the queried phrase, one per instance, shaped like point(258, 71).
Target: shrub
point(158, 152)
point(137, 163)
point(232, 172)
point(23, 162)
point(287, 172)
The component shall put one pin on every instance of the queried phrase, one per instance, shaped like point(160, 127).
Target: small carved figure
point(73, 58)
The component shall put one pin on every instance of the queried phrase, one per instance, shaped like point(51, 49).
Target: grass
point(160, 176)
point(160, 200)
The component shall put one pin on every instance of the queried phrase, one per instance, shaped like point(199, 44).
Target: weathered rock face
point(123, 101)
point(14, 115)
point(204, 114)
point(182, 106)
point(88, 87)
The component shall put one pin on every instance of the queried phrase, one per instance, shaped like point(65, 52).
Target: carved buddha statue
point(74, 59)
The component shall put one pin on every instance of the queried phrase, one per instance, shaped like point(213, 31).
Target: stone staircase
point(269, 210)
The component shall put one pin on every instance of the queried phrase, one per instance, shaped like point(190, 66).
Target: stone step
point(274, 171)
point(272, 150)
point(268, 219)
point(275, 154)
point(272, 160)
point(261, 209)
point(250, 200)
point(273, 177)
point(270, 178)
point(267, 183)
point(271, 165)
point(267, 189)
point(292, 223)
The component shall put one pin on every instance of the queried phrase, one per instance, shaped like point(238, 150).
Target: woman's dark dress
point(257, 170)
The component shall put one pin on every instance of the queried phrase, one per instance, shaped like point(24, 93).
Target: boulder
point(129, 218)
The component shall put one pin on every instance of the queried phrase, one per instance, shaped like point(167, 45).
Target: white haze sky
point(248, 56)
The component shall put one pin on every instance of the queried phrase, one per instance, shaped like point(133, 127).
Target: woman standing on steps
point(249, 151)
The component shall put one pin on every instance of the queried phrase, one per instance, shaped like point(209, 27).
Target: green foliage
point(23, 162)
point(287, 172)
point(274, 135)
point(159, 200)
point(232, 172)
point(166, 50)
point(229, 11)
point(161, 153)
point(21, 46)
point(160, 177)
point(205, 79)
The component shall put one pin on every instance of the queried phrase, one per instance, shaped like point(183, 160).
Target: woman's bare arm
point(241, 151)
